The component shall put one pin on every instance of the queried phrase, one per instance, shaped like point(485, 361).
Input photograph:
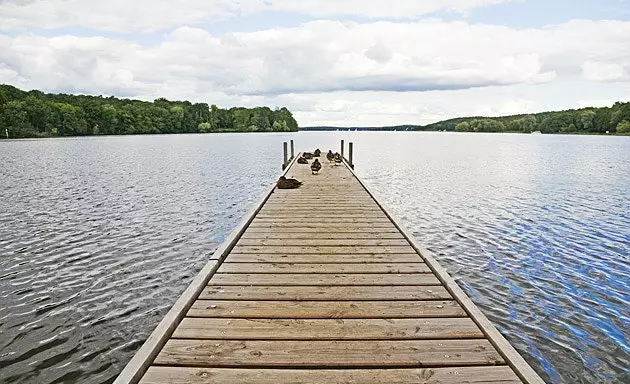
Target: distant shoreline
point(586, 121)
point(385, 129)
point(3, 138)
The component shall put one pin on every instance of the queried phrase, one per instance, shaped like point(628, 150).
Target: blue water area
point(99, 236)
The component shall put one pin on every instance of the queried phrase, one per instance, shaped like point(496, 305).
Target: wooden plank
point(398, 268)
point(311, 200)
point(304, 194)
point(452, 375)
point(323, 202)
point(324, 258)
point(304, 209)
point(308, 195)
point(324, 217)
point(305, 219)
point(323, 242)
point(307, 210)
point(326, 329)
point(338, 200)
point(315, 216)
point(317, 208)
point(316, 227)
point(352, 187)
point(323, 223)
point(321, 235)
point(323, 249)
point(328, 354)
point(325, 293)
point(323, 279)
point(322, 205)
point(326, 309)
point(338, 230)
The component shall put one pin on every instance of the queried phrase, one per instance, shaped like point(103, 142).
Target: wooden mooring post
point(292, 150)
point(350, 154)
point(286, 155)
point(349, 159)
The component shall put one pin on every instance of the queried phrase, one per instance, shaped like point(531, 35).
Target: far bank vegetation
point(611, 120)
point(37, 114)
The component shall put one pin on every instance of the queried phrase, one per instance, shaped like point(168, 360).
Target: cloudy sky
point(332, 62)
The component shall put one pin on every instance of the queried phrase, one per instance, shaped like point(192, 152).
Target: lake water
point(99, 236)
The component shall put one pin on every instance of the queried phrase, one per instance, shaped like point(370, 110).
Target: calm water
point(99, 236)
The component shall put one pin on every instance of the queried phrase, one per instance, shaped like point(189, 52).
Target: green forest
point(613, 120)
point(37, 114)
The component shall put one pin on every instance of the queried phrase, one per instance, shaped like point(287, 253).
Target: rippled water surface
point(99, 236)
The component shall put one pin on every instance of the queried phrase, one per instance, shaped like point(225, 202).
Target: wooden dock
point(321, 285)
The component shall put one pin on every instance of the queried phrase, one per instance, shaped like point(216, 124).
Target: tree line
point(612, 120)
point(37, 114)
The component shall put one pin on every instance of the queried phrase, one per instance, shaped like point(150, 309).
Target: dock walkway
point(320, 285)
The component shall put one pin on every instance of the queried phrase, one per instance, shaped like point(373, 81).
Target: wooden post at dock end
point(343, 147)
point(350, 154)
point(292, 151)
point(286, 154)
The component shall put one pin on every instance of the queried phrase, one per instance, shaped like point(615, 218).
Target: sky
point(341, 62)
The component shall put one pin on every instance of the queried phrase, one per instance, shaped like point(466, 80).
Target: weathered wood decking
point(319, 285)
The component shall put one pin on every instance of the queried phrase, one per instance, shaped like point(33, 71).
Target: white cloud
point(96, 65)
point(598, 71)
point(152, 15)
point(335, 72)
point(399, 9)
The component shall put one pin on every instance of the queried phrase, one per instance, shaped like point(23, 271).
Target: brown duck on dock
point(330, 156)
point(302, 160)
point(284, 183)
point(338, 158)
point(307, 155)
point(317, 153)
point(316, 166)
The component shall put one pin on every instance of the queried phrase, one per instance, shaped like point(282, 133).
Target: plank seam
point(329, 367)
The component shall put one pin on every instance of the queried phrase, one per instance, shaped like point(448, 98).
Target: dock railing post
point(350, 154)
point(286, 154)
point(292, 151)
point(343, 147)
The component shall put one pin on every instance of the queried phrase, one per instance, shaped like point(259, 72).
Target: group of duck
point(316, 166)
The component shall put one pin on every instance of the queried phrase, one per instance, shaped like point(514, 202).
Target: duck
point(317, 153)
point(338, 158)
point(330, 156)
point(316, 166)
point(284, 183)
point(307, 155)
point(302, 160)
